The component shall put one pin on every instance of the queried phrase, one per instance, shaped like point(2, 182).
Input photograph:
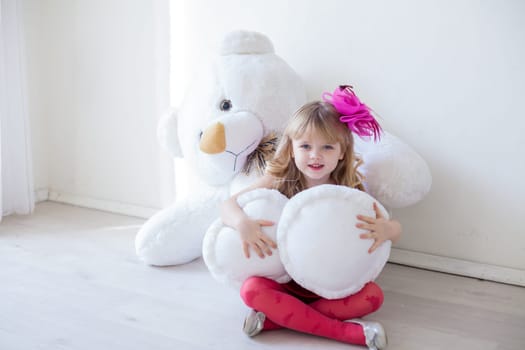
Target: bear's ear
point(242, 42)
point(167, 133)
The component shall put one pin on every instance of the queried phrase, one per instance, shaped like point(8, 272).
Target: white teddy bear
point(229, 120)
point(226, 123)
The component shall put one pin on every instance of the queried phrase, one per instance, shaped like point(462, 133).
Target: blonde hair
point(324, 119)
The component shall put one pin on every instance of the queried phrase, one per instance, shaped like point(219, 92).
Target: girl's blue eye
point(328, 147)
point(305, 146)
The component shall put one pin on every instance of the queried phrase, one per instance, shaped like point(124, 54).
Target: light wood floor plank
point(70, 280)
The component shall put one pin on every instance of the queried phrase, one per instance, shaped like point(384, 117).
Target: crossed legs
point(322, 317)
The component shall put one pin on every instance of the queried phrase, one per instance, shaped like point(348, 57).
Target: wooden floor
point(69, 279)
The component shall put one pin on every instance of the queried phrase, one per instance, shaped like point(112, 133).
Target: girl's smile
point(316, 166)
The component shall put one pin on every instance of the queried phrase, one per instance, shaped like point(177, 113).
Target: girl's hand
point(253, 238)
point(380, 229)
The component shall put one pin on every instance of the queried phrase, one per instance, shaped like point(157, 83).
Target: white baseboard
point(41, 195)
point(99, 204)
point(399, 256)
point(458, 267)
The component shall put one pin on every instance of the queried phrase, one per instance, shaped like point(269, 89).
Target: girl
point(316, 148)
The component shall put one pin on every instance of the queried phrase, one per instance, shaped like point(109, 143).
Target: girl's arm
point(250, 230)
point(380, 229)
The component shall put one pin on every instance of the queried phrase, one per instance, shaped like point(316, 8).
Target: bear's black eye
point(225, 105)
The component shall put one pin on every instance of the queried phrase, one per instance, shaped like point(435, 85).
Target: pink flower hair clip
point(353, 112)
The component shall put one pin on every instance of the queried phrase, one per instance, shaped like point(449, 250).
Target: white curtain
point(16, 188)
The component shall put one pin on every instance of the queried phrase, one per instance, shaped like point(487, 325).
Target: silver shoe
point(375, 334)
point(253, 323)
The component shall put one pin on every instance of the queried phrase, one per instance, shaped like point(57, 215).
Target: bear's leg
point(174, 235)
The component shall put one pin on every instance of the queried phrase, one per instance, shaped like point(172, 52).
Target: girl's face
point(315, 157)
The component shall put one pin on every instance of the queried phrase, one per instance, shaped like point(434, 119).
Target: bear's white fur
point(261, 91)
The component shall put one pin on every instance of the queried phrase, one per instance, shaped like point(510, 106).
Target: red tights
point(290, 306)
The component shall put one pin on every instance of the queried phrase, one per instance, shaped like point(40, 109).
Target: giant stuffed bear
point(227, 124)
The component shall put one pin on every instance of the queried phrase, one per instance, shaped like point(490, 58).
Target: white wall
point(446, 76)
point(95, 94)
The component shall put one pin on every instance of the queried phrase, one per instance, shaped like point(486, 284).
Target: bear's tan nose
point(213, 139)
